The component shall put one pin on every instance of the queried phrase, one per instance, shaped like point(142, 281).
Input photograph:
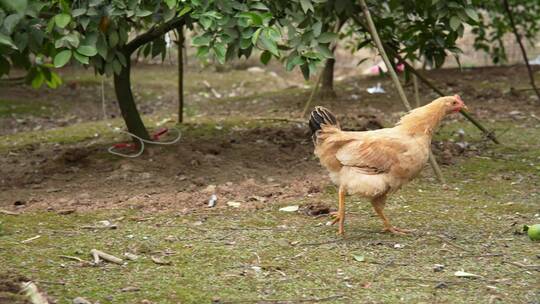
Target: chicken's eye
point(454, 103)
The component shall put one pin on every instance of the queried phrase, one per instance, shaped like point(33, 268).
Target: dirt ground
point(244, 143)
point(231, 147)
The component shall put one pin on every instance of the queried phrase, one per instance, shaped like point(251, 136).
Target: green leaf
point(62, 20)
point(78, 12)
point(293, 61)
point(73, 39)
point(205, 22)
point(11, 22)
point(202, 51)
point(471, 12)
point(6, 40)
point(143, 13)
point(101, 46)
point(306, 6)
point(201, 40)
point(113, 39)
point(95, 2)
point(269, 43)
point(325, 51)
point(265, 57)
point(255, 36)
point(170, 3)
point(16, 5)
point(62, 58)
point(87, 50)
point(81, 58)
point(220, 50)
point(327, 37)
point(184, 11)
point(455, 22)
point(255, 18)
point(359, 258)
point(84, 21)
point(117, 67)
point(317, 27)
point(38, 79)
point(54, 80)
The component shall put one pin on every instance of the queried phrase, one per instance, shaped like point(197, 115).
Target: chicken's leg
point(378, 204)
point(340, 216)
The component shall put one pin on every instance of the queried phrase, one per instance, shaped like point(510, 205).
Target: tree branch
point(397, 84)
point(487, 133)
point(153, 33)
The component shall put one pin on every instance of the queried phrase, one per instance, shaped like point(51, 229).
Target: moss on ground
point(237, 255)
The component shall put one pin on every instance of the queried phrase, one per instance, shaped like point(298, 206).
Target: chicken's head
point(453, 104)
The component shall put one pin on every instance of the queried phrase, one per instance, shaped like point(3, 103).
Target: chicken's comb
point(458, 98)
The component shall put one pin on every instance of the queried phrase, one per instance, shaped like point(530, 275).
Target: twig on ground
point(31, 239)
point(517, 264)
point(51, 282)
point(160, 261)
point(97, 254)
point(76, 259)
point(111, 226)
point(8, 212)
point(447, 241)
point(459, 256)
point(329, 298)
point(322, 243)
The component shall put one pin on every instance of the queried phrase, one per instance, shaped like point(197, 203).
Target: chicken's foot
point(378, 204)
point(339, 216)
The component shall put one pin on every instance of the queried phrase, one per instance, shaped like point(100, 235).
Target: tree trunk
point(521, 47)
point(122, 88)
point(180, 44)
point(327, 87)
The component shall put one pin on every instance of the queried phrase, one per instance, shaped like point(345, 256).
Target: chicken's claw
point(337, 219)
point(396, 230)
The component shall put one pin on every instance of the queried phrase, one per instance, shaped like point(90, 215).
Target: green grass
point(10, 107)
point(235, 255)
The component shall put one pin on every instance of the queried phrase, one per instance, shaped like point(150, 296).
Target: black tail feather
point(319, 116)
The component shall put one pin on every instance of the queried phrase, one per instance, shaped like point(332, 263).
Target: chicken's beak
point(464, 108)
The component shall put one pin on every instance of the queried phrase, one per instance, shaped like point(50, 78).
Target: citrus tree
point(39, 36)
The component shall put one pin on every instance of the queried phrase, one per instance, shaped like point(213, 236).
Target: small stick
point(452, 244)
point(395, 79)
point(313, 93)
point(111, 226)
point(31, 239)
point(76, 259)
point(416, 93)
point(287, 301)
point(97, 254)
point(8, 212)
point(474, 256)
point(517, 264)
point(51, 282)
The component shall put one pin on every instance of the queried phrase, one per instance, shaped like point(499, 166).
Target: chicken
point(374, 164)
